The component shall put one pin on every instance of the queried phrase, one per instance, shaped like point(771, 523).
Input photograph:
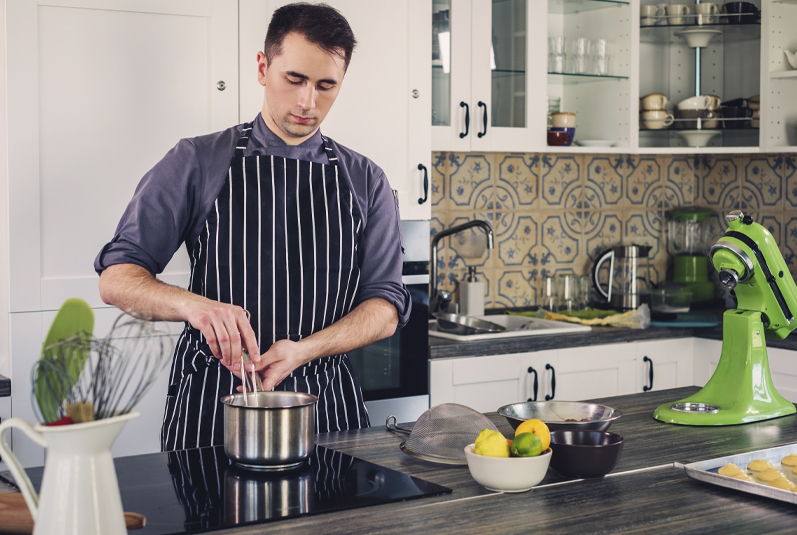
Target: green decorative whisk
point(87, 379)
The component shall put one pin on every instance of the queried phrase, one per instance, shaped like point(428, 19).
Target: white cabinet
point(741, 61)
point(384, 104)
point(783, 367)
point(97, 92)
point(663, 364)
point(486, 383)
point(706, 357)
point(486, 58)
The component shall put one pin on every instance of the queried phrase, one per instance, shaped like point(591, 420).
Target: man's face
point(301, 85)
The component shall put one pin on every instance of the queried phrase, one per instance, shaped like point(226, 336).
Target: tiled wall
point(554, 213)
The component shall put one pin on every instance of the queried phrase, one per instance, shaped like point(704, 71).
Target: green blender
point(741, 390)
point(688, 238)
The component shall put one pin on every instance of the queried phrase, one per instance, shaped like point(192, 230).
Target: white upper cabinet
point(383, 107)
point(486, 58)
point(98, 91)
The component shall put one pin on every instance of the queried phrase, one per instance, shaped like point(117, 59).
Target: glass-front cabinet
point(483, 60)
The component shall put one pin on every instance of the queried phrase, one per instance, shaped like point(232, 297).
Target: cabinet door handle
point(425, 197)
point(650, 386)
point(483, 132)
point(530, 371)
point(553, 383)
point(467, 119)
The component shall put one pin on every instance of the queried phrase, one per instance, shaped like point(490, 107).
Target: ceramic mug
point(754, 103)
point(647, 15)
point(569, 130)
point(714, 102)
point(655, 119)
point(700, 102)
point(654, 101)
point(559, 139)
point(704, 12)
point(675, 14)
point(563, 119)
point(755, 122)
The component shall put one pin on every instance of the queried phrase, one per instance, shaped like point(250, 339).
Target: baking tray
point(707, 471)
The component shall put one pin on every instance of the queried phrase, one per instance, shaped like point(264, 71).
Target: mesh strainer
point(442, 432)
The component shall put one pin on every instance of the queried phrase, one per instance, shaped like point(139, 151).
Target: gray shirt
point(173, 200)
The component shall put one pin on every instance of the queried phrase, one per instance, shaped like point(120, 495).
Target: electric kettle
point(625, 264)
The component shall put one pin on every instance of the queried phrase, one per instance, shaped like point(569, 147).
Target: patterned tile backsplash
point(555, 213)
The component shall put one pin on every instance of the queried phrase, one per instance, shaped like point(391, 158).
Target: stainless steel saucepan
point(269, 430)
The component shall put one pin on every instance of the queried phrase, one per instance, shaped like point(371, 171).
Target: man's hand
point(227, 330)
point(370, 321)
point(226, 327)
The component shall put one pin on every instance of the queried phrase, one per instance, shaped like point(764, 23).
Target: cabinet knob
point(416, 93)
point(221, 85)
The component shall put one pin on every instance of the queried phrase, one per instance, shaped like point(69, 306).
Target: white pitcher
point(79, 491)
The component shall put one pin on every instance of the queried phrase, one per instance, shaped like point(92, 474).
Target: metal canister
point(271, 431)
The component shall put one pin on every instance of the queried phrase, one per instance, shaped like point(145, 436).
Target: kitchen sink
point(516, 326)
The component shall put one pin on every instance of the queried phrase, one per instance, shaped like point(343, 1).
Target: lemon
point(491, 444)
point(526, 445)
point(537, 427)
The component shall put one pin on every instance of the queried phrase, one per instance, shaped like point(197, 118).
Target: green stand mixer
point(741, 390)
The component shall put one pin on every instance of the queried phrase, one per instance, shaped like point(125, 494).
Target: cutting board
point(15, 516)
point(689, 319)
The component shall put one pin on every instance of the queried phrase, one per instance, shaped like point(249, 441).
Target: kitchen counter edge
point(441, 348)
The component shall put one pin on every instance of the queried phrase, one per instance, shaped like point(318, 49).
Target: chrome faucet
point(435, 297)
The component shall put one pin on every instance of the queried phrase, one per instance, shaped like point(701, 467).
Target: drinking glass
point(567, 291)
point(600, 57)
point(548, 295)
point(585, 291)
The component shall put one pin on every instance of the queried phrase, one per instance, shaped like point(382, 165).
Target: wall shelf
point(783, 74)
point(567, 7)
point(567, 78)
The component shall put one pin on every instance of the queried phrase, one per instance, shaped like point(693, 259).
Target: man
point(294, 243)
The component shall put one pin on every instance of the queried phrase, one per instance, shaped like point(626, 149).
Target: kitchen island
point(646, 492)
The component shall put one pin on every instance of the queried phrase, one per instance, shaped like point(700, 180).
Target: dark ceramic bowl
point(585, 454)
point(709, 119)
point(735, 117)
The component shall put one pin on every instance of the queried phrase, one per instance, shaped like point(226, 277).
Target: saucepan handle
point(20, 476)
point(396, 428)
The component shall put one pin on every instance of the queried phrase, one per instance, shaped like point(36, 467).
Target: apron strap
point(243, 141)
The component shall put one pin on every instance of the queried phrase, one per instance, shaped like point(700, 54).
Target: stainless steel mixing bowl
point(276, 431)
point(559, 415)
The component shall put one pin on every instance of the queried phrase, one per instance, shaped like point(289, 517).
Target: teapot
point(625, 262)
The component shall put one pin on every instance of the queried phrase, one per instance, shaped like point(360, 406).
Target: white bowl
point(697, 138)
point(507, 474)
point(697, 38)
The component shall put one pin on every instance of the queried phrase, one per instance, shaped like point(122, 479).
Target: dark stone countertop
point(440, 348)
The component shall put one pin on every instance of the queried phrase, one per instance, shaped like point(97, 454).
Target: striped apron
point(281, 242)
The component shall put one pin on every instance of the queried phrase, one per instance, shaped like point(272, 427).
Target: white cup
point(563, 119)
point(700, 102)
point(654, 101)
point(648, 11)
point(655, 119)
point(675, 14)
point(704, 12)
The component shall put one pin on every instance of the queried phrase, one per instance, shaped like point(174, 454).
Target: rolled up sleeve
point(380, 252)
point(159, 216)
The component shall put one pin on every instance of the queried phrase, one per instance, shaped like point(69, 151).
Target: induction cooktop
point(199, 490)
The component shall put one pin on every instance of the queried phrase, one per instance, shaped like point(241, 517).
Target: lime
point(491, 444)
point(526, 445)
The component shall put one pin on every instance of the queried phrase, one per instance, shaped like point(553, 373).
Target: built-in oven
point(394, 372)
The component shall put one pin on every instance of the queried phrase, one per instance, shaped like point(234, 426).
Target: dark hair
point(320, 24)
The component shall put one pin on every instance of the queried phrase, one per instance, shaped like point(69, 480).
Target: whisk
point(252, 381)
point(115, 372)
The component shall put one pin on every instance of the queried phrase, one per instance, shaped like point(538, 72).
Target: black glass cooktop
point(202, 490)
